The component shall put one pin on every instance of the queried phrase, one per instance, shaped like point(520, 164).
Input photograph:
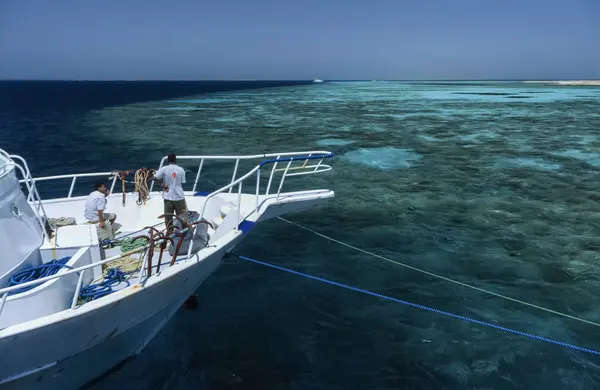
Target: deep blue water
point(492, 184)
point(38, 118)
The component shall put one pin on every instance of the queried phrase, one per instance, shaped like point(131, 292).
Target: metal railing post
point(306, 161)
point(271, 176)
point(28, 180)
point(191, 241)
point(2, 302)
point(237, 162)
point(198, 175)
point(114, 182)
point(239, 206)
point(72, 186)
point(143, 268)
point(257, 187)
point(77, 290)
point(283, 177)
point(318, 165)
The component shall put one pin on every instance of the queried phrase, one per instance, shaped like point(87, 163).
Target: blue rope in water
point(113, 277)
point(430, 309)
point(37, 272)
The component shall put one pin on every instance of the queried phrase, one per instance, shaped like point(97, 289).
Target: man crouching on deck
point(171, 177)
point(95, 205)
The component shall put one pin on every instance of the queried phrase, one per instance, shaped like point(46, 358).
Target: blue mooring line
point(36, 272)
point(445, 313)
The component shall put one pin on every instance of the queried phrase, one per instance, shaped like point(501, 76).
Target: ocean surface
point(493, 184)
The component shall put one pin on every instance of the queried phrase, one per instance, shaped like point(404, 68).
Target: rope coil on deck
point(113, 277)
point(127, 244)
point(426, 308)
point(36, 272)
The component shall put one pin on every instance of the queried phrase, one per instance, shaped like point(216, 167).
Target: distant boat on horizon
point(317, 81)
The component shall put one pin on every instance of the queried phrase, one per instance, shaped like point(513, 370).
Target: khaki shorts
point(108, 232)
point(176, 207)
point(110, 217)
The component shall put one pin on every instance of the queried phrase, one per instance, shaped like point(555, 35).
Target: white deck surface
point(132, 217)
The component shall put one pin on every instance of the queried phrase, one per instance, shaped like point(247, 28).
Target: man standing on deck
point(171, 177)
point(95, 205)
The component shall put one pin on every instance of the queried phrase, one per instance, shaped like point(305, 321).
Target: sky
point(299, 39)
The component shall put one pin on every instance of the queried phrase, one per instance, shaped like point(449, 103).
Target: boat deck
point(90, 265)
point(130, 216)
point(133, 218)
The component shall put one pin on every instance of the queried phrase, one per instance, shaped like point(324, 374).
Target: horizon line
point(292, 80)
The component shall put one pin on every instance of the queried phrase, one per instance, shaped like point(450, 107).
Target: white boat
point(317, 81)
point(50, 337)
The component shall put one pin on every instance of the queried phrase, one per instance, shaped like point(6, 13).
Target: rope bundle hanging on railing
point(141, 184)
point(122, 176)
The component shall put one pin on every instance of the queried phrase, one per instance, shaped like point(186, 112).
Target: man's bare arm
point(101, 218)
point(160, 183)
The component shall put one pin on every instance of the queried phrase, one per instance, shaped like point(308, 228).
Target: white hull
point(48, 343)
point(76, 371)
point(131, 324)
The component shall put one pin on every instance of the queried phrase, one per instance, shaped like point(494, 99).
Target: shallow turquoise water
point(493, 185)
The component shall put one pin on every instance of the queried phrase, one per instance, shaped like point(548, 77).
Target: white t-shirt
point(94, 202)
point(173, 176)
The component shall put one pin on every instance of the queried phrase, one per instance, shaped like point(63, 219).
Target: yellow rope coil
point(125, 264)
point(141, 185)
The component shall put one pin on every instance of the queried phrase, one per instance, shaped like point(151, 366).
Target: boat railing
point(113, 176)
point(33, 195)
point(305, 169)
point(271, 161)
point(290, 158)
point(142, 271)
point(4, 292)
point(74, 176)
point(238, 159)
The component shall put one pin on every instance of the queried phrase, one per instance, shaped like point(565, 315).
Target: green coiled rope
point(127, 244)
